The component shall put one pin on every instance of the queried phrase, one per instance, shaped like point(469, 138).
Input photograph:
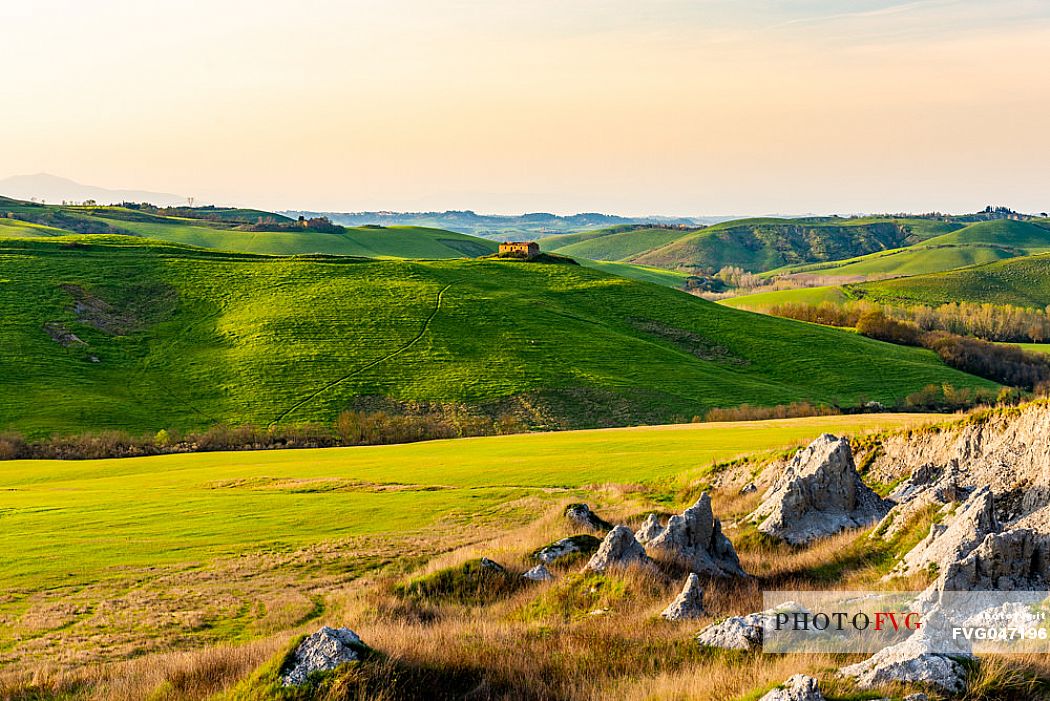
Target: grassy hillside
point(976, 244)
point(803, 295)
point(615, 244)
point(658, 276)
point(917, 260)
point(147, 554)
point(763, 244)
point(1029, 236)
point(1020, 281)
point(113, 332)
point(216, 228)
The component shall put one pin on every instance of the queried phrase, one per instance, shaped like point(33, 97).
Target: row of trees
point(1008, 365)
point(991, 322)
point(349, 428)
point(938, 330)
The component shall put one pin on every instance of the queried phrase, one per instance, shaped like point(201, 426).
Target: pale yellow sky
point(662, 106)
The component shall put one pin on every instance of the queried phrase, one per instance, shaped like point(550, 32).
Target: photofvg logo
point(869, 621)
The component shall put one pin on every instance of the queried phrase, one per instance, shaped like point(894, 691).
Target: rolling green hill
point(622, 243)
point(915, 260)
point(1020, 281)
point(976, 244)
point(763, 244)
point(658, 276)
point(218, 229)
point(115, 332)
point(1032, 237)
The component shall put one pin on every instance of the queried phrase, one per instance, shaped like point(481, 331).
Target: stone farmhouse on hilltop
point(523, 249)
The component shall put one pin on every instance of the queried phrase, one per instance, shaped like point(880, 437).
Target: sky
point(636, 107)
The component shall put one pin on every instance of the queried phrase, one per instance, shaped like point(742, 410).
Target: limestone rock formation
point(951, 542)
point(1008, 451)
point(618, 549)
point(1014, 560)
point(324, 650)
point(539, 573)
point(581, 516)
point(735, 632)
point(797, 688)
point(695, 537)
point(565, 547)
point(911, 661)
point(819, 494)
point(929, 485)
point(649, 529)
point(688, 604)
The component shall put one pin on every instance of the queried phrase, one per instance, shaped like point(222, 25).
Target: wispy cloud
point(890, 9)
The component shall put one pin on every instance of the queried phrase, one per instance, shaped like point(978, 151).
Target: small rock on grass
point(539, 573)
point(797, 688)
point(322, 651)
point(565, 547)
point(618, 549)
point(688, 604)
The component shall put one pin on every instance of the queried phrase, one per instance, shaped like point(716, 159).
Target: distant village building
point(521, 249)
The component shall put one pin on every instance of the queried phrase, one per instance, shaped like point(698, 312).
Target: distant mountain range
point(52, 189)
point(501, 227)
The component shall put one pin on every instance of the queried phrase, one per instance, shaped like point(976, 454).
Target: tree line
point(991, 322)
point(1007, 365)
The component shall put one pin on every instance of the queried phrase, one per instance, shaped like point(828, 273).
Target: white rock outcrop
point(695, 538)
point(818, 494)
point(1014, 560)
point(619, 549)
point(953, 541)
point(539, 573)
point(1008, 451)
point(649, 529)
point(929, 485)
point(797, 688)
point(735, 632)
point(911, 661)
point(322, 651)
point(567, 546)
point(688, 604)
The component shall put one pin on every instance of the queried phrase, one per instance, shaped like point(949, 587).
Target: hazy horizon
point(671, 107)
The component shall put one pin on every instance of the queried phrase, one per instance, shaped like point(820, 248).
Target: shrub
point(746, 412)
point(1008, 365)
point(875, 324)
point(473, 582)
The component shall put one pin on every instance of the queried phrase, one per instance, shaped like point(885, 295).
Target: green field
point(111, 332)
point(1021, 282)
point(223, 234)
point(802, 295)
point(119, 531)
point(94, 517)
